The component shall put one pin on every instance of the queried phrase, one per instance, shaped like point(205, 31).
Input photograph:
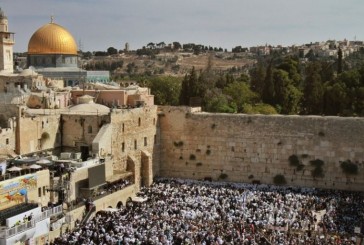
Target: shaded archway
point(119, 205)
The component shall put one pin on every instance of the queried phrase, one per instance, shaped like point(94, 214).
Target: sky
point(100, 24)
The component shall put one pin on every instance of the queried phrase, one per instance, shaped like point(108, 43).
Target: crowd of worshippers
point(192, 212)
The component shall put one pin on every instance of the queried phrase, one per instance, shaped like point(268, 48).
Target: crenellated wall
point(246, 148)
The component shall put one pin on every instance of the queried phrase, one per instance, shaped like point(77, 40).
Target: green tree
point(112, 50)
point(291, 66)
point(335, 99)
point(166, 90)
point(241, 94)
point(339, 61)
point(268, 93)
point(259, 108)
point(257, 76)
point(215, 101)
point(189, 87)
point(313, 90)
point(287, 96)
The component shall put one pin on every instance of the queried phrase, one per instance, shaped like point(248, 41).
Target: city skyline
point(111, 23)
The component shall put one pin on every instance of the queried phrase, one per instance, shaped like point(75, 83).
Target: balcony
point(9, 232)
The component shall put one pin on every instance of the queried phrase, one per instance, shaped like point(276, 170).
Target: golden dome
point(52, 39)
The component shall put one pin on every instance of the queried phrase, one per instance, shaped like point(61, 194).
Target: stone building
point(6, 45)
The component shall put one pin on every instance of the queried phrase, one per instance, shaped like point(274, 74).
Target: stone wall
point(38, 132)
point(78, 130)
point(134, 131)
point(246, 148)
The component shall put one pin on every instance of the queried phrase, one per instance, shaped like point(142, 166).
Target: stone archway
point(119, 205)
point(44, 138)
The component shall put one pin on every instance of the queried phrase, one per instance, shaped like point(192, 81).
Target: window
point(39, 191)
point(135, 144)
point(139, 122)
point(145, 141)
point(7, 141)
point(155, 139)
point(89, 129)
point(123, 128)
point(44, 190)
point(123, 146)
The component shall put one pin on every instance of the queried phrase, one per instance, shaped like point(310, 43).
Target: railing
point(9, 232)
point(88, 215)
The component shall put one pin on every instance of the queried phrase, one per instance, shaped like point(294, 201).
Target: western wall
point(256, 148)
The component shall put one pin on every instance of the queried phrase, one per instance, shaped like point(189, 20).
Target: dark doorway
point(84, 152)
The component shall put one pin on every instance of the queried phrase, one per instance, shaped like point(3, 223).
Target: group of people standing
point(193, 212)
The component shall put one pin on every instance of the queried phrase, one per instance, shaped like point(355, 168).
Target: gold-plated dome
point(52, 39)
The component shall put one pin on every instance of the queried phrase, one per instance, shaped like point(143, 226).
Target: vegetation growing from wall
point(223, 176)
point(349, 167)
point(318, 171)
point(279, 179)
point(295, 162)
point(178, 143)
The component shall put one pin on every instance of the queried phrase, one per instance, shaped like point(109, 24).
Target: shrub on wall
point(199, 164)
point(300, 167)
point(318, 171)
point(208, 152)
point(192, 157)
point(223, 176)
point(178, 144)
point(279, 179)
point(317, 163)
point(349, 167)
point(293, 160)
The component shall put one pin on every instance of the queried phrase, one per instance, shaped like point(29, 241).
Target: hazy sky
point(99, 24)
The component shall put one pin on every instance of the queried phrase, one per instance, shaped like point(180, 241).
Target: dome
point(89, 109)
point(52, 39)
point(87, 106)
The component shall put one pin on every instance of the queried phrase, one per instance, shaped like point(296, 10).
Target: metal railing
point(9, 232)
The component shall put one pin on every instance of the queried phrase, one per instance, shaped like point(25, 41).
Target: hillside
point(168, 63)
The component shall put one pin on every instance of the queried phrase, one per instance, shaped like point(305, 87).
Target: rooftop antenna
point(52, 19)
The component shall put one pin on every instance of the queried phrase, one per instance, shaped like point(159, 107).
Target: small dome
point(87, 106)
point(90, 109)
point(52, 39)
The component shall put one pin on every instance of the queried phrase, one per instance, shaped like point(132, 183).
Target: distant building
point(6, 45)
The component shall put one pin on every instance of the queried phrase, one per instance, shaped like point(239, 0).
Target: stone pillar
point(147, 168)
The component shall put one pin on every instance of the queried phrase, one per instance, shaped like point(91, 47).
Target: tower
point(6, 44)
